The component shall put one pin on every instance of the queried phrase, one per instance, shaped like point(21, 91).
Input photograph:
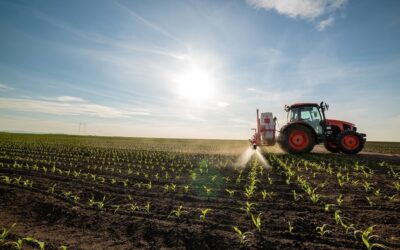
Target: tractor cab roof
point(296, 105)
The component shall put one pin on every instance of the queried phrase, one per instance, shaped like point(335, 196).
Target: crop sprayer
point(307, 126)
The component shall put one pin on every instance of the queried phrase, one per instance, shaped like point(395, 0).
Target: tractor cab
point(308, 113)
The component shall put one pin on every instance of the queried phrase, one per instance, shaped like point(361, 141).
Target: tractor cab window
point(310, 115)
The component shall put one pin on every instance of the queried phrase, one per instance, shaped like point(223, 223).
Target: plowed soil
point(56, 208)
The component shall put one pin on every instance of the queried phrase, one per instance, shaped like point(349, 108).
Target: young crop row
point(19, 243)
point(290, 169)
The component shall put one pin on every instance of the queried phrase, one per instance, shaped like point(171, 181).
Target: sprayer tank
point(267, 128)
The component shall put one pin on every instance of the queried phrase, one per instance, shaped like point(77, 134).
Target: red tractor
point(308, 126)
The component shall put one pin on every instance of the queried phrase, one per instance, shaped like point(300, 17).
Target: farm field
point(76, 192)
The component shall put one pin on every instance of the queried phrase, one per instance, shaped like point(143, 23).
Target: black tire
point(331, 148)
point(296, 139)
point(350, 142)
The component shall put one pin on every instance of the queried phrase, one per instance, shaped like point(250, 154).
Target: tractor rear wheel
point(350, 142)
point(297, 139)
point(331, 146)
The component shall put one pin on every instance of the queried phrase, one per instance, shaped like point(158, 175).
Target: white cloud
point(325, 23)
point(66, 105)
point(64, 99)
point(303, 9)
point(4, 87)
point(223, 104)
point(69, 99)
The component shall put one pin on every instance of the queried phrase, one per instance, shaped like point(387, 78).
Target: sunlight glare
point(196, 84)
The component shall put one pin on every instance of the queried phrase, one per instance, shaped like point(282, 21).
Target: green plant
point(315, 197)
point(134, 206)
point(321, 230)
point(264, 194)
point(207, 189)
point(52, 189)
point(5, 232)
point(17, 244)
point(327, 206)
point(339, 200)
point(99, 204)
point(40, 243)
point(178, 212)
point(366, 237)
point(203, 213)
point(230, 192)
point(242, 235)
point(256, 221)
point(290, 227)
point(296, 196)
point(396, 185)
point(370, 202)
point(248, 208)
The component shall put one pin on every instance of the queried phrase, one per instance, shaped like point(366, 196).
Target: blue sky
point(196, 69)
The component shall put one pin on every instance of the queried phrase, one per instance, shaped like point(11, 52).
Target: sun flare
point(196, 84)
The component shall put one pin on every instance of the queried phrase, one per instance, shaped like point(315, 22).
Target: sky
point(196, 69)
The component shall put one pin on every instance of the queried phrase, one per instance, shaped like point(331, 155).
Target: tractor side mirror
point(286, 108)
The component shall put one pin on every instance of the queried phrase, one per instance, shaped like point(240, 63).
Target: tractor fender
point(289, 125)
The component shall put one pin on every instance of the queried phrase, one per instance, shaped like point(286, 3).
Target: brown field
point(136, 193)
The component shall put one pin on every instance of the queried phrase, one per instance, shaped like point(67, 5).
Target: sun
point(196, 84)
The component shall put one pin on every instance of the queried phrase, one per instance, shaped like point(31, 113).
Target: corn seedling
point(315, 197)
point(203, 213)
point(178, 212)
point(6, 179)
point(230, 192)
point(321, 230)
point(327, 206)
point(173, 187)
point(337, 217)
point(256, 221)
point(17, 244)
point(207, 189)
point(134, 206)
point(147, 207)
point(242, 235)
point(396, 185)
point(52, 188)
point(339, 200)
point(264, 194)
point(99, 204)
point(32, 240)
point(347, 227)
point(116, 208)
point(392, 198)
point(377, 192)
point(366, 237)
point(370, 202)
point(367, 186)
point(5, 232)
point(296, 196)
point(290, 227)
point(248, 208)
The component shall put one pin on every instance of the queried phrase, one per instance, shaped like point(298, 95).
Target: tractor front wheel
point(297, 139)
point(350, 142)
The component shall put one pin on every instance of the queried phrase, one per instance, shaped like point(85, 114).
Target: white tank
point(267, 128)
